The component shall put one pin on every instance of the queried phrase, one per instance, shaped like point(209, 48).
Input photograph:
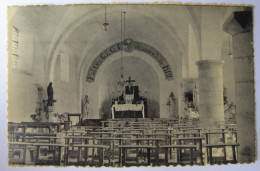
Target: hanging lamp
point(105, 24)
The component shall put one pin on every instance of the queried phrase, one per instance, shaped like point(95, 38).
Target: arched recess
point(130, 45)
point(145, 77)
point(94, 89)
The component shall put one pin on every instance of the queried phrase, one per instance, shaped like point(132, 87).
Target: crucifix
point(129, 81)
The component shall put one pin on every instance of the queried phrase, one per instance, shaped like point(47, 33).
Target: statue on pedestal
point(50, 95)
point(172, 105)
point(85, 107)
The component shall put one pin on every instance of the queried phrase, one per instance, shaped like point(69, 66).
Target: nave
point(114, 85)
point(122, 142)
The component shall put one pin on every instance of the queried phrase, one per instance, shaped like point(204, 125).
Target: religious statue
point(225, 99)
point(50, 94)
point(172, 105)
point(85, 107)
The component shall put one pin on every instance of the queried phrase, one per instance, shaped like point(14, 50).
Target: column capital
point(238, 22)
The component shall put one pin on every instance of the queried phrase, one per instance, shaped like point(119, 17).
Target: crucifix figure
point(129, 81)
point(129, 89)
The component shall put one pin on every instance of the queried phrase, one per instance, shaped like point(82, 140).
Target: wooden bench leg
point(79, 154)
point(224, 148)
point(166, 157)
point(191, 156)
point(201, 155)
point(120, 157)
point(124, 156)
point(24, 153)
point(234, 154)
point(170, 153)
point(113, 149)
point(137, 151)
point(210, 155)
point(101, 157)
point(66, 155)
point(59, 152)
point(32, 155)
point(86, 155)
point(180, 155)
point(93, 155)
point(225, 155)
point(37, 154)
point(54, 155)
point(157, 154)
point(149, 156)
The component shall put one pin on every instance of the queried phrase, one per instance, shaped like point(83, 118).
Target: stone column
point(239, 25)
point(211, 107)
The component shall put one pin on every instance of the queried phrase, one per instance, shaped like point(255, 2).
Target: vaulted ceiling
point(79, 28)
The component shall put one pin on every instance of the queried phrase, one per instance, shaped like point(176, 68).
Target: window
point(15, 46)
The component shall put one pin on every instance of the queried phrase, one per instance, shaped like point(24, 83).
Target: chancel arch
point(130, 45)
point(164, 88)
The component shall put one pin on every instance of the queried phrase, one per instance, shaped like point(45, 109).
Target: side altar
point(129, 104)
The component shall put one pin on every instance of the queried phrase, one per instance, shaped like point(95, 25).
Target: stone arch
point(165, 86)
point(130, 45)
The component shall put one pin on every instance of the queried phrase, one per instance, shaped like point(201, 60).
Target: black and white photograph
point(127, 85)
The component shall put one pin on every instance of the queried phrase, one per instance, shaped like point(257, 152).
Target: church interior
point(130, 85)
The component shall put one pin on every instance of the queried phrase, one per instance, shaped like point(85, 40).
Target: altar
point(129, 103)
point(128, 107)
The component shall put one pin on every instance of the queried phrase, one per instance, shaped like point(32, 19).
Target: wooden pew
point(71, 142)
point(122, 153)
point(149, 141)
point(179, 153)
point(53, 145)
point(195, 140)
point(112, 148)
point(13, 146)
point(223, 145)
point(216, 132)
point(100, 148)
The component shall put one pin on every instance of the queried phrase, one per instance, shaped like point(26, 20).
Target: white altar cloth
point(127, 107)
